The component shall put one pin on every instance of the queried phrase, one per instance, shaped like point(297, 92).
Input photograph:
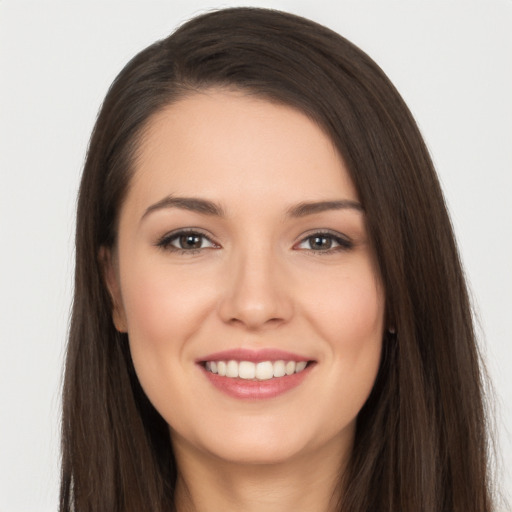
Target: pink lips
point(256, 356)
point(254, 389)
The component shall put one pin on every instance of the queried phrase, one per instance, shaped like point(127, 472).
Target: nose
point(257, 292)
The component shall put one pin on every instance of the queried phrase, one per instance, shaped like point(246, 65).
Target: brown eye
point(190, 241)
point(320, 242)
point(325, 243)
point(186, 241)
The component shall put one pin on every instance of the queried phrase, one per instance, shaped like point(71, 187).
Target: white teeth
point(300, 366)
point(264, 370)
point(279, 369)
point(221, 368)
point(232, 369)
point(290, 367)
point(248, 370)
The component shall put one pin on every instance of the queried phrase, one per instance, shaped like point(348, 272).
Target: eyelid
point(165, 241)
point(343, 242)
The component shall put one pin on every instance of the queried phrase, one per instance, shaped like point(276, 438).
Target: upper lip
point(255, 356)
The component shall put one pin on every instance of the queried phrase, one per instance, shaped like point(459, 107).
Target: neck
point(208, 484)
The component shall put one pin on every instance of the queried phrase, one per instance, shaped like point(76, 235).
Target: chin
point(268, 443)
point(260, 452)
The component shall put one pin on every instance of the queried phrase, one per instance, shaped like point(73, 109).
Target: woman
point(269, 311)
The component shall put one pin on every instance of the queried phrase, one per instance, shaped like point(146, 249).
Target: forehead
point(224, 144)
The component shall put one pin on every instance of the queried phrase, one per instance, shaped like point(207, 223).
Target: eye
point(324, 242)
point(186, 241)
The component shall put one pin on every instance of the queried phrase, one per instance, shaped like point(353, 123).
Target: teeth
point(248, 370)
point(264, 370)
point(232, 369)
point(279, 369)
point(290, 367)
point(300, 366)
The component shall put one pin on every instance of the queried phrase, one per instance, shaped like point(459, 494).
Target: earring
point(391, 330)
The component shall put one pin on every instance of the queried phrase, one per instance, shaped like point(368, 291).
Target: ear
point(108, 262)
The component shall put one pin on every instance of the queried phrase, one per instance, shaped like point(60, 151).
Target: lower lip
point(257, 389)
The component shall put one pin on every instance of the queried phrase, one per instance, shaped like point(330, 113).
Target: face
point(246, 282)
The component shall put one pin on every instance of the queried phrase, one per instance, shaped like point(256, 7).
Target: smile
point(255, 375)
point(248, 370)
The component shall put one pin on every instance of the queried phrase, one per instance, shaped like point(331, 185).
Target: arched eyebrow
point(193, 204)
point(206, 207)
point(304, 209)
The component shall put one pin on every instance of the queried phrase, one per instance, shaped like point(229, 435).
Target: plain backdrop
point(451, 61)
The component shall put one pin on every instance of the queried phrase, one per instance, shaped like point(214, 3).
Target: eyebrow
point(206, 207)
point(193, 204)
point(304, 209)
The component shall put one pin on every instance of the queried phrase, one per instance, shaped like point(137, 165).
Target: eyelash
point(344, 244)
point(165, 243)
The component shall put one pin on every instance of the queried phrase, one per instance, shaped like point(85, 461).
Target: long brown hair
point(421, 440)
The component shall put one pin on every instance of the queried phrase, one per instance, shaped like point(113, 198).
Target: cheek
point(349, 309)
point(357, 334)
point(164, 310)
point(163, 306)
point(349, 315)
point(361, 317)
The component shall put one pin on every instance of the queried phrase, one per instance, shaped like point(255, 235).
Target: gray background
point(452, 62)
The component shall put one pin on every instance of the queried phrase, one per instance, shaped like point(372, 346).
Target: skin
point(257, 281)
